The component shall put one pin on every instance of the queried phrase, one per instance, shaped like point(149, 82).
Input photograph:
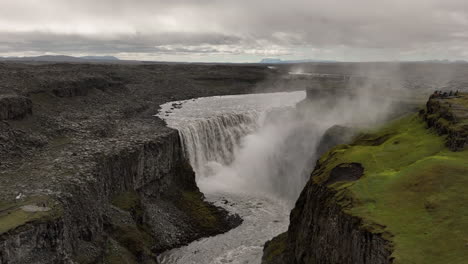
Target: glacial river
point(245, 159)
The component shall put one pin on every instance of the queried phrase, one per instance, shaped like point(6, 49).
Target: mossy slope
point(414, 190)
point(13, 213)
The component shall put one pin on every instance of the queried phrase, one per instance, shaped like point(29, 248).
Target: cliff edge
point(88, 174)
point(393, 195)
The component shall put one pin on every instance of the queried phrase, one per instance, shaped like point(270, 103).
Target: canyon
point(89, 174)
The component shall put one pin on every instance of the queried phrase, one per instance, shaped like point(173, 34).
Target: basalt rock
point(81, 87)
point(449, 116)
point(335, 135)
point(321, 232)
point(14, 107)
point(163, 196)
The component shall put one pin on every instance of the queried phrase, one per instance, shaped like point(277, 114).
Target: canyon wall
point(139, 198)
point(320, 230)
point(88, 174)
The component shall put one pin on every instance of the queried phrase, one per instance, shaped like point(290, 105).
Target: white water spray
point(246, 144)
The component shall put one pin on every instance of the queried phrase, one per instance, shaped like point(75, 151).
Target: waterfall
point(213, 141)
point(253, 144)
point(270, 152)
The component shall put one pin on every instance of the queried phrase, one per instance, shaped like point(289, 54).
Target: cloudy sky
point(237, 30)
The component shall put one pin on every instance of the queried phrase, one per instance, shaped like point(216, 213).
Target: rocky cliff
point(14, 106)
point(448, 116)
point(88, 174)
point(139, 199)
point(393, 195)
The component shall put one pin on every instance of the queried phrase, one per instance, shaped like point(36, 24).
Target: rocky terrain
point(393, 195)
point(88, 173)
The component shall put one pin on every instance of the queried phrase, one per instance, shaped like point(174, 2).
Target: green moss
point(135, 240)
point(12, 215)
point(59, 142)
point(126, 201)
point(413, 188)
point(130, 201)
point(275, 248)
point(193, 204)
point(462, 100)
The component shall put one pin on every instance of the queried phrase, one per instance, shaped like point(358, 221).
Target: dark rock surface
point(14, 106)
point(335, 135)
point(118, 184)
point(449, 116)
point(321, 232)
point(345, 172)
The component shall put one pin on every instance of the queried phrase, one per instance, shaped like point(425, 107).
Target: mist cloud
point(360, 30)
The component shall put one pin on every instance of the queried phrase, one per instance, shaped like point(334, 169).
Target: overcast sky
point(237, 30)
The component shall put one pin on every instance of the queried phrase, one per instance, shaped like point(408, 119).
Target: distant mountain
point(271, 61)
point(61, 58)
point(107, 58)
point(447, 61)
point(280, 61)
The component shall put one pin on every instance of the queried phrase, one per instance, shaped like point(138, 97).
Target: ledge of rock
point(449, 116)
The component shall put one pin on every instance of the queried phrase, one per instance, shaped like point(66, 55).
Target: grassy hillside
point(414, 190)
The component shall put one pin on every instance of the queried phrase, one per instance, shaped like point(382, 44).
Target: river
point(250, 157)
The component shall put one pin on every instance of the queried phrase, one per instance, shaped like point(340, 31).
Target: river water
point(250, 157)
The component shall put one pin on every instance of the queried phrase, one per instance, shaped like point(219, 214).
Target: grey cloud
point(157, 43)
point(154, 25)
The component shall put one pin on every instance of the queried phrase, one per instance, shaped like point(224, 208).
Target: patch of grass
point(13, 216)
point(193, 204)
point(413, 188)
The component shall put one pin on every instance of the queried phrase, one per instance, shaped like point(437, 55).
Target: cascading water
point(213, 140)
point(250, 156)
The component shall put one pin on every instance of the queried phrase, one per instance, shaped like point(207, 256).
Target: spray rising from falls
point(248, 143)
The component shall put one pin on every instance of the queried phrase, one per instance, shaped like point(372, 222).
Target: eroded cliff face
point(13, 106)
point(88, 174)
point(140, 199)
point(320, 230)
point(448, 117)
